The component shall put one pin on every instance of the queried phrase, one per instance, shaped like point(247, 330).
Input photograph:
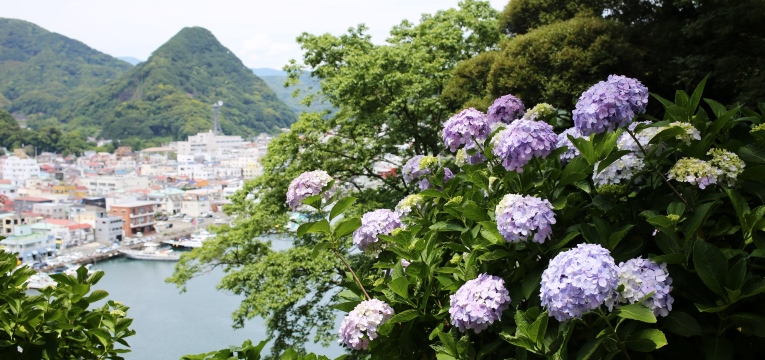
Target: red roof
point(79, 226)
point(60, 222)
point(5, 181)
point(80, 187)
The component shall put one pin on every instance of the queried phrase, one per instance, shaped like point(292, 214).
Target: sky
point(261, 33)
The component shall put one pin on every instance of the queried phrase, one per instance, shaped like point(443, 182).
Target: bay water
point(170, 324)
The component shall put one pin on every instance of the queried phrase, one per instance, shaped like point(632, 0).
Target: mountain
point(41, 71)
point(268, 72)
point(170, 94)
point(306, 84)
point(129, 59)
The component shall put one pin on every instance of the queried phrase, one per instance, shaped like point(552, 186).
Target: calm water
point(169, 324)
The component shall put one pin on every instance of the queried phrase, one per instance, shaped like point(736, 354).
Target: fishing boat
point(40, 281)
point(151, 251)
point(195, 241)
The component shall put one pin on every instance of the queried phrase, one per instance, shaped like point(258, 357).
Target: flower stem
point(616, 336)
point(645, 155)
point(356, 278)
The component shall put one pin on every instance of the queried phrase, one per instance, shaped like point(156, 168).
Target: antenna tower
point(216, 125)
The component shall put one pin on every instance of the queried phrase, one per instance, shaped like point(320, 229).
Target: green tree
point(387, 101)
point(59, 323)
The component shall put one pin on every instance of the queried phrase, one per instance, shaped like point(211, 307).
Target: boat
point(40, 281)
point(151, 251)
point(195, 241)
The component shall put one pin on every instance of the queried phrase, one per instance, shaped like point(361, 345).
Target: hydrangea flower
point(640, 277)
point(465, 128)
point(306, 185)
point(409, 203)
point(691, 133)
point(609, 105)
point(695, 172)
point(523, 140)
point(373, 223)
point(505, 109)
point(462, 158)
point(758, 132)
point(579, 280)
point(412, 170)
point(519, 216)
point(479, 303)
point(563, 140)
point(539, 111)
point(360, 325)
point(618, 172)
point(626, 142)
point(448, 175)
point(730, 166)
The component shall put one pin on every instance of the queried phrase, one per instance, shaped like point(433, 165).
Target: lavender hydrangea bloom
point(610, 104)
point(409, 203)
point(412, 170)
point(579, 280)
point(640, 277)
point(523, 140)
point(505, 109)
point(518, 216)
point(360, 325)
point(626, 142)
point(563, 140)
point(307, 184)
point(694, 171)
point(373, 223)
point(619, 172)
point(448, 175)
point(462, 158)
point(479, 303)
point(464, 127)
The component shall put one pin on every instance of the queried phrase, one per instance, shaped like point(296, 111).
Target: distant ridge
point(42, 71)
point(131, 60)
point(268, 72)
point(169, 95)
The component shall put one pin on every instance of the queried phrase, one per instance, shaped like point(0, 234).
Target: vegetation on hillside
point(41, 71)
point(46, 139)
point(169, 95)
point(301, 96)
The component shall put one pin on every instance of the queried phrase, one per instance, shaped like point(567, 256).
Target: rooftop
point(32, 199)
point(134, 204)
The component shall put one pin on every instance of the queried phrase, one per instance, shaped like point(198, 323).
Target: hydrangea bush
point(626, 236)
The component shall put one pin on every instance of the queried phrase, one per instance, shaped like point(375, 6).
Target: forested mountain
point(306, 86)
point(133, 61)
point(169, 95)
point(41, 71)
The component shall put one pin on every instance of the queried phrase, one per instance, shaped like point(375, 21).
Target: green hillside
point(306, 85)
point(169, 95)
point(41, 71)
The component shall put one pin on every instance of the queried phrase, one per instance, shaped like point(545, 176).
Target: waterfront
point(169, 324)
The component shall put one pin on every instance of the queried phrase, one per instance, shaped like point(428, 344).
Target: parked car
point(169, 225)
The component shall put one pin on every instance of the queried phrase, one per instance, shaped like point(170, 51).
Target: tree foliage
point(47, 139)
point(59, 323)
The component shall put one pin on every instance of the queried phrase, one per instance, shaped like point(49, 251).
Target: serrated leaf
point(636, 312)
point(682, 324)
point(711, 265)
point(341, 205)
point(646, 340)
point(347, 227)
point(399, 286)
point(749, 323)
point(404, 316)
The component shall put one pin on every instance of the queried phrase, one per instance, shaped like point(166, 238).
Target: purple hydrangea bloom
point(579, 280)
point(448, 175)
point(518, 216)
point(464, 127)
point(412, 170)
point(306, 185)
point(479, 303)
point(523, 140)
point(641, 277)
point(563, 140)
point(360, 325)
point(373, 223)
point(505, 109)
point(610, 104)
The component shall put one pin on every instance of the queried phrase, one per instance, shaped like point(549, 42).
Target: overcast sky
point(261, 33)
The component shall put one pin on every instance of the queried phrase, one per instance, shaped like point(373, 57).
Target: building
point(209, 143)
point(26, 203)
point(28, 244)
point(109, 229)
point(11, 220)
point(197, 202)
point(9, 190)
point(51, 210)
point(95, 201)
point(103, 185)
point(137, 216)
point(18, 170)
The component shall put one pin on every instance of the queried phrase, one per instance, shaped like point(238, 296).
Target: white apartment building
point(51, 210)
point(196, 171)
point(9, 190)
point(159, 169)
point(18, 170)
point(109, 229)
point(103, 185)
point(208, 142)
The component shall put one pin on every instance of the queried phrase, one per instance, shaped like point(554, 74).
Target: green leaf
point(319, 248)
point(610, 159)
point(667, 134)
point(585, 148)
point(646, 340)
point(341, 205)
point(676, 208)
point(752, 153)
point(313, 201)
point(711, 265)
point(699, 217)
point(717, 348)
point(289, 354)
point(749, 323)
point(96, 295)
point(404, 316)
point(530, 282)
point(682, 324)
point(538, 328)
point(636, 312)
point(320, 227)
point(347, 226)
point(661, 221)
point(575, 170)
point(736, 275)
point(399, 286)
point(303, 228)
point(446, 226)
point(474, 212)
point(588, 349)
